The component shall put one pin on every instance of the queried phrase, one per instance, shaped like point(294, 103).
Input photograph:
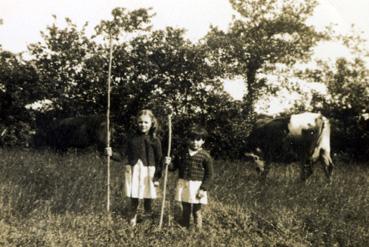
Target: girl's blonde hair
point(155, 125)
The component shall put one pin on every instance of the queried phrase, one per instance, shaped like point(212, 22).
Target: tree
point(346, 103)
point(264, 33)
point(174, 71)
point(1, 23)
point(161, 69)
point(19, 86)
point(347, 100)
point(73, 67)
point(124, 23)
point(61, 61)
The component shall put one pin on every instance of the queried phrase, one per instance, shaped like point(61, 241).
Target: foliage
point(54, 200)
point(16, 133)
point(162, 69)
point(65, 61)
point(124, 21)
point(73, 67)
point(346, 103)
point(19, 86)
point(157, 70)
point(229, 129)
point(263, 33)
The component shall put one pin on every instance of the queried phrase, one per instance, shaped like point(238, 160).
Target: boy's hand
point(156, 183)
point(108, 151)
point(200, 194)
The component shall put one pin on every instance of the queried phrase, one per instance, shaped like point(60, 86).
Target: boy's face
point(144, 123)
point(196, 143)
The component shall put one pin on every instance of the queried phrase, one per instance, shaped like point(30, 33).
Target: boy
point(195, 170)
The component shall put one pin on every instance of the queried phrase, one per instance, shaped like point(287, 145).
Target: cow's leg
point(308, 169)
point(265, 171)
point(327, 163)
point(302, 169)
point(305, 168)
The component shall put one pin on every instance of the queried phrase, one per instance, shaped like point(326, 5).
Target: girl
point(143, 171)
point(195, 173)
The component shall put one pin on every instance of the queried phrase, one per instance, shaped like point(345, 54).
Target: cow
point(74, 132)
point(306, 135)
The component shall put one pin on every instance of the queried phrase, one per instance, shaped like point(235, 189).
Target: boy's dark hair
point(197, 132)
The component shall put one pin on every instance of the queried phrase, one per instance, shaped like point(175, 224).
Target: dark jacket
point(145, 148)
point(148, 150)
point(198, 167)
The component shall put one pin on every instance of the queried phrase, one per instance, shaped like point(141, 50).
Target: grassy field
point(53, 200)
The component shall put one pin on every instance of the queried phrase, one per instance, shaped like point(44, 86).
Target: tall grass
point(48, 199)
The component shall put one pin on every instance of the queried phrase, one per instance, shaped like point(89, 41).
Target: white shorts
point(186, 191)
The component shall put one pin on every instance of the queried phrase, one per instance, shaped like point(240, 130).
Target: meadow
point(48, 199)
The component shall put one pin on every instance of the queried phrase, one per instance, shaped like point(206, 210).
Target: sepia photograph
point(184, 123)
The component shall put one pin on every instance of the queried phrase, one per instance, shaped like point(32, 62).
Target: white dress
point(138, 181)
point(186, 190)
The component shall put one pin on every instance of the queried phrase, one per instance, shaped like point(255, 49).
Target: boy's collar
point(193, 152)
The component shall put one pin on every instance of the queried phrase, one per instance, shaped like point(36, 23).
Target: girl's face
point(144, 123)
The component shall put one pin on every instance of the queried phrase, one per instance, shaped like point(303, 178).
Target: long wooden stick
point(108, 122)
point(166, 170)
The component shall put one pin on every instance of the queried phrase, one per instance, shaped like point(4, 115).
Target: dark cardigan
point(148, 150)
point(145, 148)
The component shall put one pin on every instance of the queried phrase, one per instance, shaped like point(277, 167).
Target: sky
point(24, 19)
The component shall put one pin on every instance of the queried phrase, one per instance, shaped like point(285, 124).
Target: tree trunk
point(250, 98)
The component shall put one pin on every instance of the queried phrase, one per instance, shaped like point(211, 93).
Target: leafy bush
point(18, 134)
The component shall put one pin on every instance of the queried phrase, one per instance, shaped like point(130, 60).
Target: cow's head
point(260, 163)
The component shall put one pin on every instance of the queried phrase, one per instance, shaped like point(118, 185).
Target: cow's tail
point(324, 147)
point(324, 130)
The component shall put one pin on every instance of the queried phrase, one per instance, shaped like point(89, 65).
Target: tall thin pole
point(108, 121)
point(166, 170)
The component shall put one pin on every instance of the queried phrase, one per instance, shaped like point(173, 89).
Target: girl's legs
point(186, 214)
point(147, 206)
point(133, 213)
point(197, 215)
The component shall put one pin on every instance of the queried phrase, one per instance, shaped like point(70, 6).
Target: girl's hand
point(108, 151)
point(200, 194)
point(167, 160)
